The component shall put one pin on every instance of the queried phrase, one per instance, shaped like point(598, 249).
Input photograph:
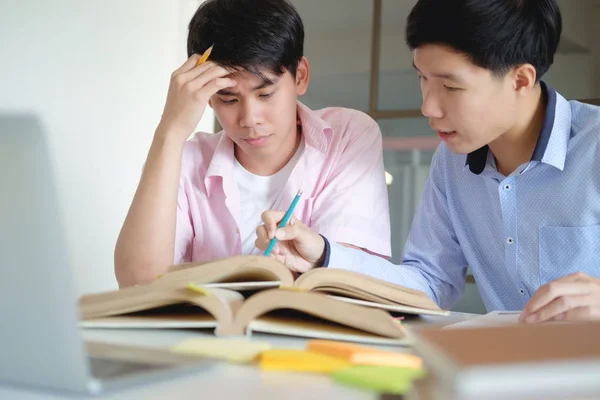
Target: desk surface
point(223, 381)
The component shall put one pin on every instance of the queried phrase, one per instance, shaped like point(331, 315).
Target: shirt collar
point(316, 131)
point(551, 146)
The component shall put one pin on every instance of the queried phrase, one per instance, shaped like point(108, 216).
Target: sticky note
point(198, 289)
point(293, 360)
point(363, 355)
point(379, 379)
point(232, 350)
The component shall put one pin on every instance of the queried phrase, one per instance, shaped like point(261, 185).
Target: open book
point(258, 272)
point(276, 311)
point(194, 296)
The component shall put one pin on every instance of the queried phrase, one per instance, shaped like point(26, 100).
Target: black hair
point(249, 34)
point(494, 34)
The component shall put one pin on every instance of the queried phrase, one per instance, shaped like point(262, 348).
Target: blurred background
point(97, 73)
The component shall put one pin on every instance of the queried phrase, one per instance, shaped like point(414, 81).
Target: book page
point(305, 326)
point(309, 306)
point(358, 286)
point(240, 269)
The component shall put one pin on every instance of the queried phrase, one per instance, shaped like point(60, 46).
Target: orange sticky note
point(362, 355)
point(204, 56)
point(300, 361)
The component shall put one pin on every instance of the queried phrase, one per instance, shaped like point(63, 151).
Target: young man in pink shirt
point(202, 199)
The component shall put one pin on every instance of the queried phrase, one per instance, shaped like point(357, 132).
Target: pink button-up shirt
point(340, 172)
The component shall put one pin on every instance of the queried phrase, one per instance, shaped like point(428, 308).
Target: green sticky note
point(380, 379)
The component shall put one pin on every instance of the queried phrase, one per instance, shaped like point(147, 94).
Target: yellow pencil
point(204, 56)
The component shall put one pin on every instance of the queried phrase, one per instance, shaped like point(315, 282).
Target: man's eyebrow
point(225, 92)
point(265, 83)
point(449, 76)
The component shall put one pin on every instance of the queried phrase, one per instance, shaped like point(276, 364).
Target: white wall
point(96, 73)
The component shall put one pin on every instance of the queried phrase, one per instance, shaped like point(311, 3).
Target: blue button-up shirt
point(515, 232)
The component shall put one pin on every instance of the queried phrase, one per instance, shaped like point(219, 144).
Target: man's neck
point(516, 146)
point(270, 165)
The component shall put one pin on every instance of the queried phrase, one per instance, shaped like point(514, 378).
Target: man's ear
point(302, 76)
point(524, 77)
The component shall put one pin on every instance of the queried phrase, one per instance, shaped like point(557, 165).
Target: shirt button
point(510, 240)
point(507, 187)
point(521, 291)
point(237, 230)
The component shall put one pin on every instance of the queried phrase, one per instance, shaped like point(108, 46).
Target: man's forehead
point(444, 62)
point(257, 76)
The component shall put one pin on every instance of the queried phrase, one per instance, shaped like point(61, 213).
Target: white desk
point(222, 380)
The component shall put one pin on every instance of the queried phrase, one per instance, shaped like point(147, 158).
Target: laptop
point(40, 342)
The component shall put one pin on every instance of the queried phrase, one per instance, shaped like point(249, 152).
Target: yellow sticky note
point(232, 350)
point(300, 361)
point(198, 289)
point(292, 288)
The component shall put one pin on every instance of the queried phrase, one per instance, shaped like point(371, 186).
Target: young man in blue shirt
point(514, 189)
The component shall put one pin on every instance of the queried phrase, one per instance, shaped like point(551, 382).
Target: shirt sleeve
point(433, 261)
point(353, 207)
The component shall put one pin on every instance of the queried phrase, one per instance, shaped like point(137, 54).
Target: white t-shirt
point(259, 194)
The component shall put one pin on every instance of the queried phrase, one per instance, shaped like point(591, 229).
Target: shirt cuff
point(327, 253)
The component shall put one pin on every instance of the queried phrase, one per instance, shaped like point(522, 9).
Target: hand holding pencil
point(191, 87)
point(287, 239)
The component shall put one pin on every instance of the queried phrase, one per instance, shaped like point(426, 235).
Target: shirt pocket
point(565, 250)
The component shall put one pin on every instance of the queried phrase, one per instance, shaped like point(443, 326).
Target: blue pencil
point(284, 221)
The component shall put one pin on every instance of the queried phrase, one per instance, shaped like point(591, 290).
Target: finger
point(279, 250)
point(262, 241)
point(261, 232)
point(559, 306)
point(271, 219)
point(295, 221)
point(553, 290)
point(276, 257)
point(203, 74)
point(575, 277)
point(188, 65)
point(291, 232)
point(213, 87)
point(580, 314)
